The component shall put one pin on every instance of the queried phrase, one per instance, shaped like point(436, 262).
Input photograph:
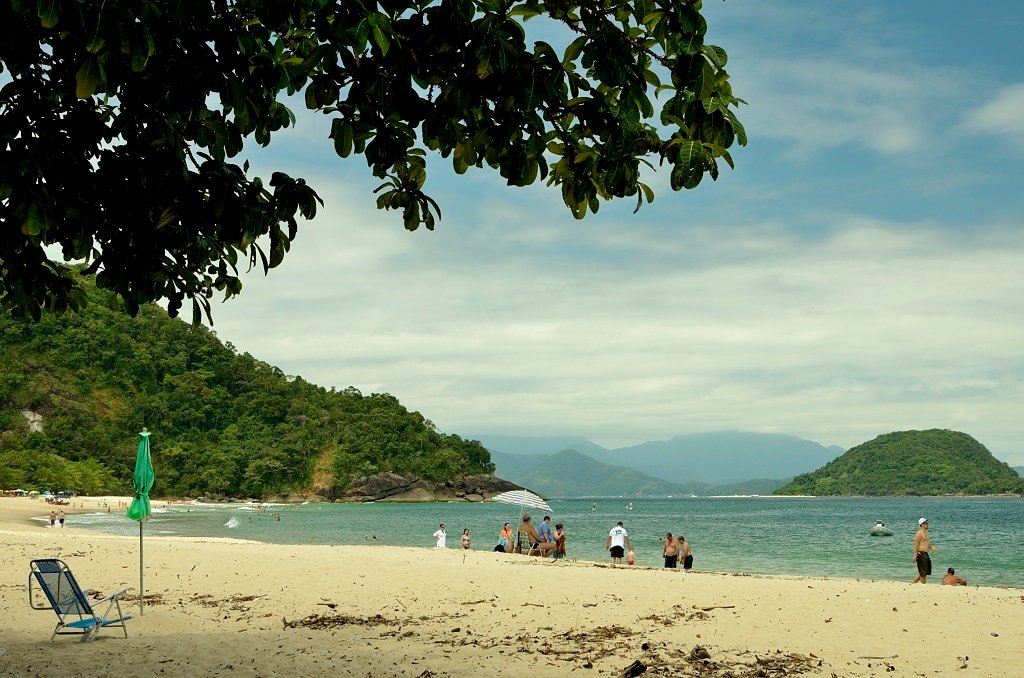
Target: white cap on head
point(922, 521)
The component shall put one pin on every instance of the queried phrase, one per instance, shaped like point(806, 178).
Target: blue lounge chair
point(68, 600)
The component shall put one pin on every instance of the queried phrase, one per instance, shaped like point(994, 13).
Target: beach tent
point(140, 509)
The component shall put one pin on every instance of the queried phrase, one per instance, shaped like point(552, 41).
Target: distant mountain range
point(571, 474)
point(724, 462)
point(1019, 470)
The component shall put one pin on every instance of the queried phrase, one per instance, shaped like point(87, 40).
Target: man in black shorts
point(686, 553)
point(616, 543)
point(922, 545)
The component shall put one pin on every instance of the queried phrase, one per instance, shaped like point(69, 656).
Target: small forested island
point(916, 463)
point(76, 388)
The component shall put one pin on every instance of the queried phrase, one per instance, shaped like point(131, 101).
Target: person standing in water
point(440, 536)
point(922, 549)
point(671, 551)
point(616, 543)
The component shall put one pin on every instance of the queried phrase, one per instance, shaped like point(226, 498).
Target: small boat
point(880, 530)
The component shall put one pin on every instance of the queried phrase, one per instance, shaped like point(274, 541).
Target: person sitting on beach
point(504, 540)
point(526, 527)
point(464, 540)
point(545, 530)
point(951, 579)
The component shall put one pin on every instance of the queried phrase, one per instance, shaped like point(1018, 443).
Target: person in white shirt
point(616, 543)
point(440, 536)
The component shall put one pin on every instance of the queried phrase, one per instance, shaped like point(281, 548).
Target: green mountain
point(572, 474)
point(933, 462)
point(75, 390)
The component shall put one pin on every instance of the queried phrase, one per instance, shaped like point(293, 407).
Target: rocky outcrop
point(34, 419)
point(407, 487)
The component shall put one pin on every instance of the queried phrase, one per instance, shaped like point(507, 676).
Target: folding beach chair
point(68, 600)
point(526, 546)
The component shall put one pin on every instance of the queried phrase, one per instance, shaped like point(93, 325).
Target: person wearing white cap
point(922, 546)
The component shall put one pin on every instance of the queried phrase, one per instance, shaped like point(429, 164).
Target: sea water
point(980, 537)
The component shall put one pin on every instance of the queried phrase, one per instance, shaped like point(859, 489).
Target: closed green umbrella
point(140, 510)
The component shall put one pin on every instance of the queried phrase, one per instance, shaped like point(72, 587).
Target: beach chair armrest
point(113, 600)
point(117, 595)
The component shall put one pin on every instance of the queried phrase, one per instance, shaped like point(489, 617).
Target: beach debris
point(713, 607)
point(699, 652)
point(319, 621)
point(148, 599)
point(634, 669)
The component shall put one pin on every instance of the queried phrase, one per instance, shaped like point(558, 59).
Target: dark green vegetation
point(221, 422)
point(123, 124)
point(570, 473)
point(932, 462)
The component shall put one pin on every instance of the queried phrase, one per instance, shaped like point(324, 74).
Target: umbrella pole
point(142, 589)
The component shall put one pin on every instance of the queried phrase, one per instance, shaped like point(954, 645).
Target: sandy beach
point(219, 607)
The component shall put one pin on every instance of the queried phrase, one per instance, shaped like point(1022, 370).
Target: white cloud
point(875, 328)
point(1001, 116)
point(753, 303)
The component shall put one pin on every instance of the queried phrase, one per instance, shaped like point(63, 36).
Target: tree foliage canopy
point(221, 422)
point(121, 122)
point(932, 462)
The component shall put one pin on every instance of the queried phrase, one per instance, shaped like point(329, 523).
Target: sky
point(859, 272)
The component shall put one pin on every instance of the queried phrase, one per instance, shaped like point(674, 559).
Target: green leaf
point(33, 222)
point(737, 126)
point(716, 54)
point(49, 12)
point(167, 217)
point(95, 45)
point(87, 79)
point(714, 103)
point(527, 12)
point(652, 19)
point(381, 40)
point(572, 52)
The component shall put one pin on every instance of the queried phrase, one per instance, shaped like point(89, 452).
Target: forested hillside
point(932, 462)
point(221, 422)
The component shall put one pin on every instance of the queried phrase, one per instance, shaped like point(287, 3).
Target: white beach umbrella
point(522, 499)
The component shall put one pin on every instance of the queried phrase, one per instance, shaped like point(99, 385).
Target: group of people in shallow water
point(619, 544)
point(549, 542)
